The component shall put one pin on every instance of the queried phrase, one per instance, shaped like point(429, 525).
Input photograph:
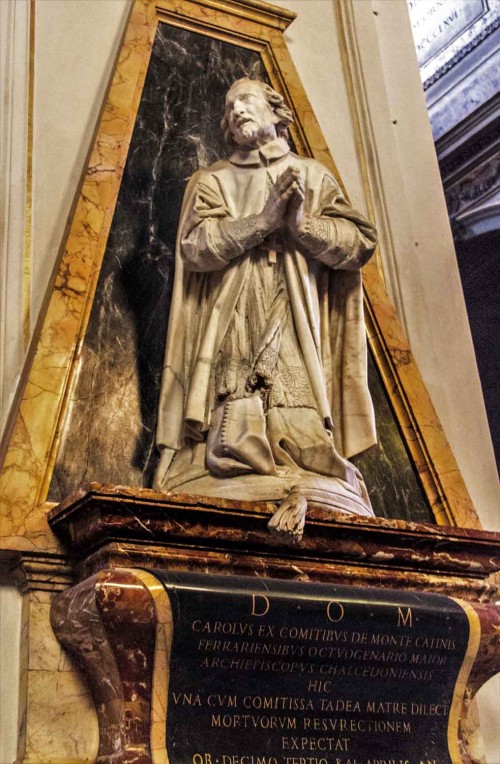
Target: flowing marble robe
point(266, 343)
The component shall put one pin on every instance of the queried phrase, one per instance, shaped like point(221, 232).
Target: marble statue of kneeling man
point(264, 391)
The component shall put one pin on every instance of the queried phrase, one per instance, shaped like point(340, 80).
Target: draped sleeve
point(336, 234)
point(201, 243)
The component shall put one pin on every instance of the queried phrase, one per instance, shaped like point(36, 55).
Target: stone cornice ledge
point(118, 525)
point(36, 571)
point(257, 10)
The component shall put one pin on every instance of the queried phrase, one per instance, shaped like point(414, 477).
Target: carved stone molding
point(117, 526)
point(38, 572)
point(461, 53)
point(470, 166)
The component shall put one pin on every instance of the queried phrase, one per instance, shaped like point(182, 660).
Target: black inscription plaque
point(272, 672)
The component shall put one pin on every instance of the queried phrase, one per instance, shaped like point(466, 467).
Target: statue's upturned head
point(254, 114)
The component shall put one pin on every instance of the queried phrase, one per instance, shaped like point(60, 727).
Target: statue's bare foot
point(289, 519)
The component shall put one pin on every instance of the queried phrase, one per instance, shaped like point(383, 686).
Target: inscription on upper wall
point(437, 23)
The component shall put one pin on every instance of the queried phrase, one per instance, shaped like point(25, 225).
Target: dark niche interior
point(109, 431)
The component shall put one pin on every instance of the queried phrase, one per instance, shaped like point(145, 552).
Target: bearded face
point(251, 119)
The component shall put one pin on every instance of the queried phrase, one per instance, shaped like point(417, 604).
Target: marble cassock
point(264, 388)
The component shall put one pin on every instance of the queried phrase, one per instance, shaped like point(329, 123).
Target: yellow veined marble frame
point(35, 429)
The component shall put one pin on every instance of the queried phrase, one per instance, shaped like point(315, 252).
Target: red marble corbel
point(108, 623)
point(484, 667)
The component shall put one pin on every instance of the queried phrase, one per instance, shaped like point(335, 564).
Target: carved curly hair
point(275, 101)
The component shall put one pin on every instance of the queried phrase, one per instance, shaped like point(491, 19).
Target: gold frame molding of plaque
point(30, 448)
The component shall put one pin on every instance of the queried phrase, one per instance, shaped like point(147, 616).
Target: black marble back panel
point(109, 431)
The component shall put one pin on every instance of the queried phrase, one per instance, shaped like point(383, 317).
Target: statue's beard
point(250, 134)
point(247, 133)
